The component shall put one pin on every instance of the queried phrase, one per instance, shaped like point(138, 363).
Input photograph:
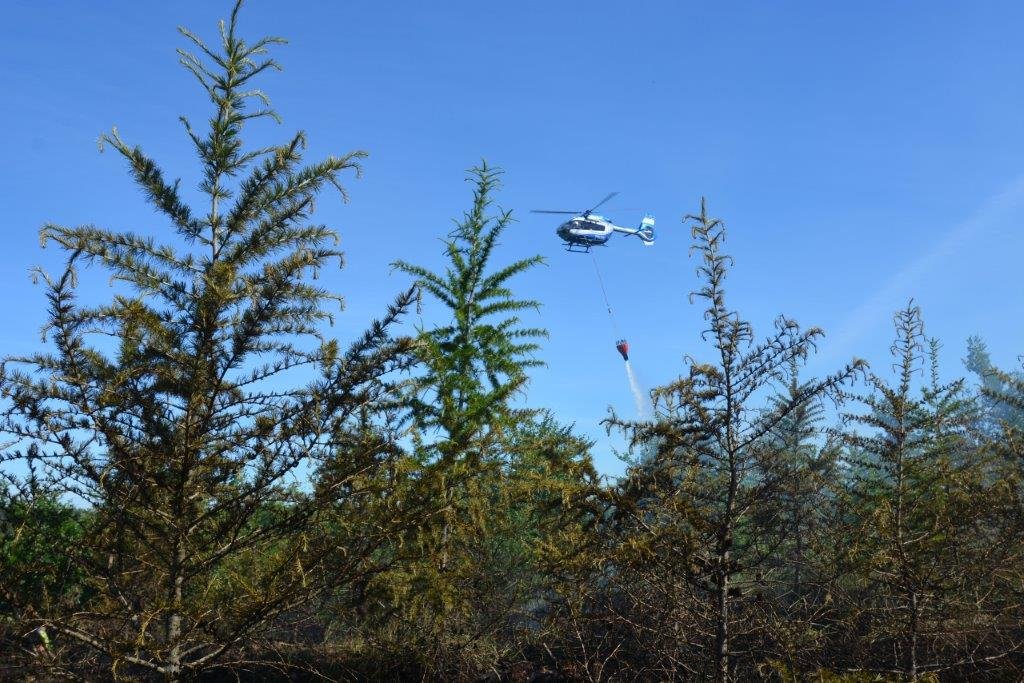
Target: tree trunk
point(914, 626)
point(172, 671)
point(722, 630)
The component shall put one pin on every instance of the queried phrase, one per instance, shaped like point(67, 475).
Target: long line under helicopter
point(621, 345)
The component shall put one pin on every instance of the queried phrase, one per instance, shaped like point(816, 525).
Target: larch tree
point(804, 463)
point(793, 520)
point(187, 411)
point(718, 462)
point(921, 551)
point(1001, 392)
point(474, 363)
point(1007, 511)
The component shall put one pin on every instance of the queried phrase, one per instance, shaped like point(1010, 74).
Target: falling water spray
point(638, 394)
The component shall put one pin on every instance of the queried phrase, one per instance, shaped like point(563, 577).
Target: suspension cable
point(604, 293)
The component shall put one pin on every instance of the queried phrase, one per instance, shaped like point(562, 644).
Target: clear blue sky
point(861, 153)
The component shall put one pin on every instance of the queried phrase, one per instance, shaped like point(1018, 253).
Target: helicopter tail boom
point(645, 231)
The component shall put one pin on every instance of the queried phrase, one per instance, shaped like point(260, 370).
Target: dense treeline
point(200, 482)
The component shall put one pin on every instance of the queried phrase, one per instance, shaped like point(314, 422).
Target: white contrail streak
point(898, 288)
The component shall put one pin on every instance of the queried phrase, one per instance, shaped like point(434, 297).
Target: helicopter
point(587, 229)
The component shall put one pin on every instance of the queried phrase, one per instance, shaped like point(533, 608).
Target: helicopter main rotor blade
point(610, 195)
point(572, 213)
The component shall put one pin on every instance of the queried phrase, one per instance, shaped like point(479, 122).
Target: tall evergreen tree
point(717, 457)
point(185, 436)
point(477, 360)
point(1001, 392)
point(473, 365)
point(1005, 511)
point(923, 557)
point(793, 520)
point(802, 464)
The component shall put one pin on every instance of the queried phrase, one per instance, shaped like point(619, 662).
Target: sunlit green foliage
point(491, 468)
point(184, 433)
point(201, 482)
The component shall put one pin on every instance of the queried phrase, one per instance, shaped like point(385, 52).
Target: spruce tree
point(185, 410)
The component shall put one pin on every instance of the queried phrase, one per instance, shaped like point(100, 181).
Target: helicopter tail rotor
point(646, 230)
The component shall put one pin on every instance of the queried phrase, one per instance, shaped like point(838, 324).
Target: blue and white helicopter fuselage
point(590, 230)
point(586, 229)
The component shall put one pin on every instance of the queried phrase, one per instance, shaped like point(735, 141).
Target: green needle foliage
point(472, 366)
point(478, 360)
point(922, 549)
point(1002, 393)
point(37, 574)
point(793, 520)
point(186, 436)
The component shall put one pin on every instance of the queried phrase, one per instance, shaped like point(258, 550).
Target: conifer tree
point(802, 464)
point(718, 461)
point(1003, 509)
point(923, 557)
point(478, 359)
point(1000, 391)
point(184, 411)
point(473, 365)
point(793, 521)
